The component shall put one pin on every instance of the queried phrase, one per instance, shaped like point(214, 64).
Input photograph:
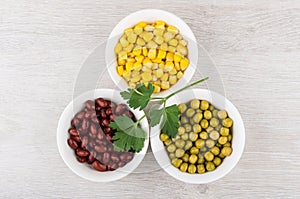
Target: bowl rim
point(67, 153)
point(150, 15)
point(238, 140)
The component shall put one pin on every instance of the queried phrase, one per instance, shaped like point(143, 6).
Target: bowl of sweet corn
point(152, 46)
point(217, 160)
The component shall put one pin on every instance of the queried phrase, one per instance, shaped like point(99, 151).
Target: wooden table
point(255, 45)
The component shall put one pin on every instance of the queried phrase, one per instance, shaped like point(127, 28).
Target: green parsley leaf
point(155, 115)
point(171, 118)
point(139, 97)
point(128, 136)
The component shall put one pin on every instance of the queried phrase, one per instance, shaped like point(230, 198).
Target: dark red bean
point(106, 158)
point(93, 129)
point(114, 157)
point(81, 159)
point(72, 143)
point(101, 102)
point(92, 136)
point(107, 130)
point(99, 157)
point(97, 108)
point(82, 152)
point(105, 122)
point(92, 143)
point(121, 164)
point(103, 113)
point(91, 159)
point(100, 135)
point(100, 148)
point(129, 114)
point(99, 166)
point(75, 123)
point(90, 114)
point(85, 124)
point(95, 120)
point(112, 117)
point(110, 148)
point(120, 109)
point(108, 111)
point(90, 105)
point(84, 142)
point(80, 115)
point(112, 167)
point(129, 157)
point(76, 138)
point(108, 137)
point(73, 131)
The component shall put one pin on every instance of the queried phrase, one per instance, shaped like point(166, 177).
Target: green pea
point(201, 159)
point(168, 142)
point(214, 135)
point(227, 144)
point(207, 114)
point(197, 117)
point(183, 167)
point(224, 131)
point(179, 153)
point(181, 130)
point(210, 166)
point(209, 129)
point(183, 120)
point(204, 105)
point(217, 161)
point(188, 145)
point(190, 112)
point(226, 151)
point(171, 148)
point(227, 122)
point(215, 150)
point(182, 108)
point(176, 162)
point(185, 157)
point(171, 156)
point(195, 104)
point(209, 156)
point(192, 169)
point(180, 143)
point(215, 113)
point(203, 135)
point(197, 128)
point(185, 136)
point(229, 137)
point(164, 137)
point(188, 128)
point(200, 168)
point(211, 107)
point(193, 136)
point(214, 122)
point(194, 150)
point(218, 128)
point(222, 140)
point(193, 159)
point(199, 143)
point(203, 149)
point(204, 123)
point(210, 143)
point(222, 114)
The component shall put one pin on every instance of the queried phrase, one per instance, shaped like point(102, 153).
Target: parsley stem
point(140, 119)
point(186, 87)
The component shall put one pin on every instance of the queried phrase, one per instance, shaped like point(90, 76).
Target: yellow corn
point(165, 77)
point(131, 85)
point(159, 39)
point(181, 49)
point(118, 48)
point(139, 58)
point(149, 28)
point(172, 79)
point(142, 24)
point(131, 60)
point(179, 37)
point(156, 88)
point(177, 66)
point(160, 22)
point(147, 62)
point(130, 55)
point(137, 51)
point(152, 53)
point(168, 36)
point(157, 82)
point(126, 74)
point(179, 75)
point(183, 42)
point(145, 51)
point(121, 62)
point(146, 76)
point(168, 66)
point(124, 42)
point(161, 54)
point(177, 57)
point(159, 73)
point(154, 67)
point(161, 65)
point(172, 29)
point(170, 56)
point(184, 63)
point(128, 31)
point(120, 70)
point(156, 60)
point(122, 55)
point(172, 42)
point(147, 36)
point(165, 85)
point(164, 46)
point(140, 42)
point(173, 71)
point(135, 78)
point(138, 30)
point(137, 66)
point(131, 38)
point(151, 44)
point(128, 66)
point(171, 49)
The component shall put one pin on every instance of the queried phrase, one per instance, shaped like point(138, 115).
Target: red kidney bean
point(109, 138)
point(99, 157)
point(108, 111)
point(103, 113)
point(95, 119)
point(82, 152)
point(90, 105)
point(91, 159)
point(112, 167)
point(80, 115)
point(100, 148)
point(73, 132)
point(129, 157)
point(120, 109)
point(90, 114)
point(112, 117)
point(82, 131)
point(105, 122)
point(129, 114)
point(84, 142)
point(101, 142)
point(114, 157)
point(110, 148)
point(121, 164)
point(100, 135)
point(101, 102)
point(85, 124)
point(93, 129)
point(75, 123)
point(72, 143)
point(92, 143)
point(107, 130)
point(97, 108)
point(76, 138)
point(81, 159)
point(99, 166)
point(92, 136)
point(106, 158)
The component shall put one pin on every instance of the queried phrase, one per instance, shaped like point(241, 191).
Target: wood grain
point(254, 44)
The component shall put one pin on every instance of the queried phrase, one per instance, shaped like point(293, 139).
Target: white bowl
point(67, 154)
point(238, 138)
point(151, 15)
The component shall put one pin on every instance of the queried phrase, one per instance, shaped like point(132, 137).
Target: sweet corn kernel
point(142, 24)
point(158, 83)
point(145, 51)
point(159, 73)
point(118, 48)
point(131, 85)
point(184, 63)
point(146, 76)
point(120, 70)
point(149, 28)
point(154, 67)
point(147, 62)
point(140, 42)
point(159, 31)
point(136, 78)
point(171, 49)
point(161, 54)
point(134, 73)
point(179, 37)
point(151, 44)
point(121, 62)
point(159, 39)
point(139, 58)
point(122, 55)
point(137, 66)
point(137, 51)
point(126, 74)
point(179, 75)
point(128, 66)
point(172, 29)
point(131, 38)
point(154, 78)
point(128, 31)
point(130, 55)
point(183, 42)
point(138, 30)
point(131, 60)
point(181, 49)
point(170, 56)
point(152, 53)
point(128, 48)
point(156, 88)
point(160, 22)
point(173, 71)
point(177, 66)
point(173, 42)
point(165, 77)
point(168, 36)
point(165, 85)
point(164, 46)
point(156, 60)
point(172, 79)
point(124, 42)
point(177, 57)
point(169, 66)
point(147, 36)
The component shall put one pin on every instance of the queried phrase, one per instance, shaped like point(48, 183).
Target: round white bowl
point(238, 138)
point(151, 15)
point(67, 154)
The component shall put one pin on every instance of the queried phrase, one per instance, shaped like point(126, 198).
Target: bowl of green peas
point(209, 142)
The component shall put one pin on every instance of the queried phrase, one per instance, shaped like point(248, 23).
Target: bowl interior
point(151, 15)
point(67, 153)
point(238, 139)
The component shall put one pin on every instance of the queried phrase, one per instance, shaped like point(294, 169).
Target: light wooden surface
point(254, 43)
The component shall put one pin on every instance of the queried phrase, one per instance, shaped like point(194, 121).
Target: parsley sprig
point(129, 135)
